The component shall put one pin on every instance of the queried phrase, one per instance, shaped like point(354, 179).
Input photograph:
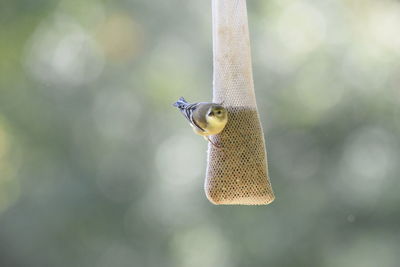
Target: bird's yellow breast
point(214, 126)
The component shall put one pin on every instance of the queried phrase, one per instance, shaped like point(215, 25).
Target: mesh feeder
point(237, 174)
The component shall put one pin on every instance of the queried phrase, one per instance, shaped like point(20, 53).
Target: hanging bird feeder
point(237, 173)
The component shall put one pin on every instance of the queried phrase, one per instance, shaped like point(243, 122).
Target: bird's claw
point(214, 144)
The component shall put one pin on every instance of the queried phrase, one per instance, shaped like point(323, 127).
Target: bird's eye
point(219, 112)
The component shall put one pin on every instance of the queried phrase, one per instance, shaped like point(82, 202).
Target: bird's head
point(217, 112)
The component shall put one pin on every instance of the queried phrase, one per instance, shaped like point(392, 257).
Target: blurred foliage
point(97, 168)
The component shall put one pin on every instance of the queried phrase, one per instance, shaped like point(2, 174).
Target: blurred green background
point(98, 169)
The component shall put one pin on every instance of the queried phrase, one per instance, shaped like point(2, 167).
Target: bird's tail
point(181, 103)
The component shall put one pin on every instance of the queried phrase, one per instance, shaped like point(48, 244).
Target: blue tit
point(204, 117)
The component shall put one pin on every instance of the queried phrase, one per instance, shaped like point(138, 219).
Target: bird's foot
point(214, 144)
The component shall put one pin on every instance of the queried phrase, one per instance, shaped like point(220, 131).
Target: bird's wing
point(188, 113)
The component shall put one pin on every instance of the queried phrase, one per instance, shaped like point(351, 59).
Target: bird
point(206, 118)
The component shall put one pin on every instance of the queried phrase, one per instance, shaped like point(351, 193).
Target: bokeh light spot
point(301, 27)
point(9, 182)
point(120, 37)
point(61, 52)
point(189, 248)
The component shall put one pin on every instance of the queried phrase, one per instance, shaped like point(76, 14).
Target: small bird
point(204, 117)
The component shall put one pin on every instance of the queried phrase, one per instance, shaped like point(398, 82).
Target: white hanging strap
point(233, 78)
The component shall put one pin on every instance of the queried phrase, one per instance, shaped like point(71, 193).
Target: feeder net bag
point(237, 173)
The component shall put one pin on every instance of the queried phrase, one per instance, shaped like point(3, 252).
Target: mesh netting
point(237, 173)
